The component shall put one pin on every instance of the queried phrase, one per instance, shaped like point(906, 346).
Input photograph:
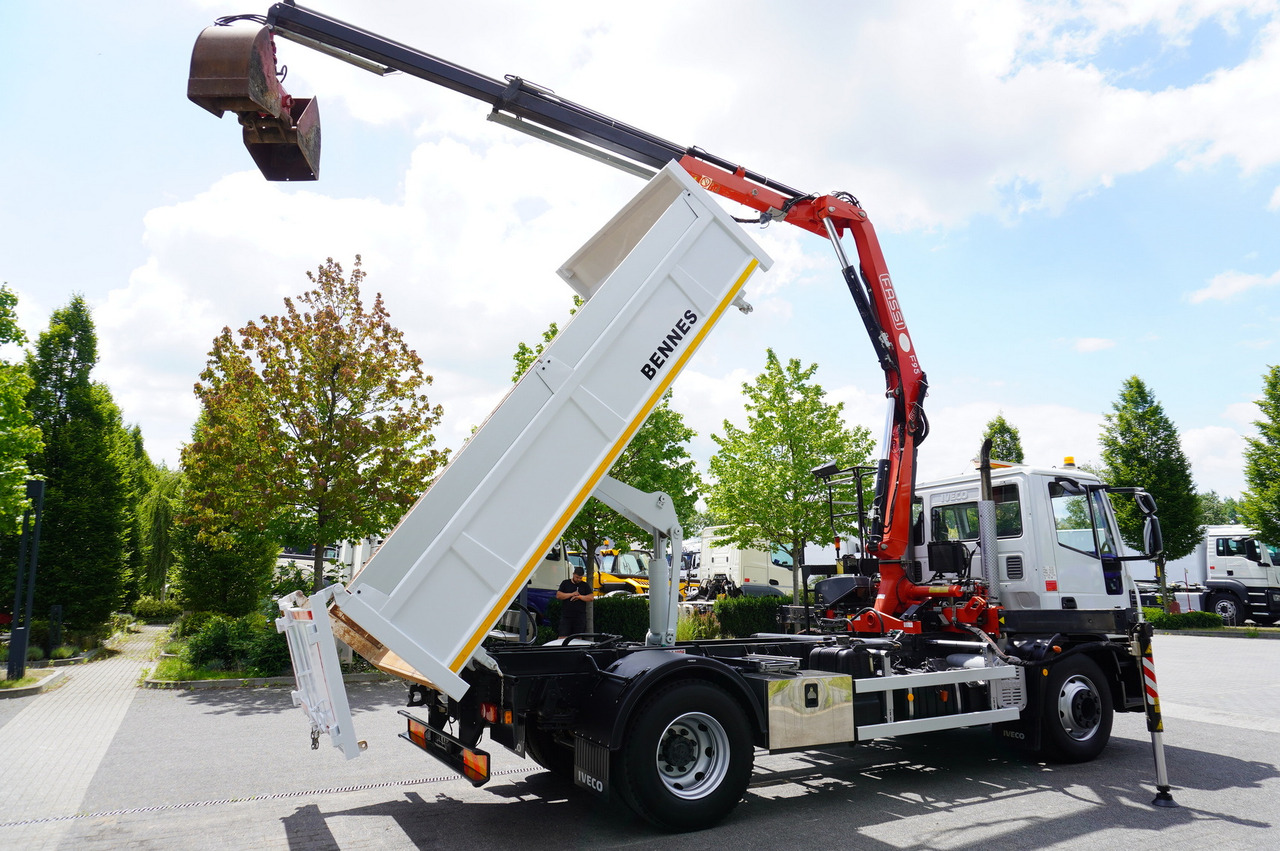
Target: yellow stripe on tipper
point(580, 498)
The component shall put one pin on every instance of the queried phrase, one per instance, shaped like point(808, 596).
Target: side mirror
point(1146, 503)
point(1252, 551)
point(1153, 537)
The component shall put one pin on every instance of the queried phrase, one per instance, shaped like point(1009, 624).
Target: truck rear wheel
point(1227, 607)
point(1077, 711)
point(688, 756)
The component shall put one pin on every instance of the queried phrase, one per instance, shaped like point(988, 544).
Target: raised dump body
point(656, 279)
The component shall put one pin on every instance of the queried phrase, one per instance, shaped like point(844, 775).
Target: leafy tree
point(314, 425)
point(656, 459)
point(137, 477)
point(84, 533)
point(1260, 505)
point(764, 489)
point(1218, 511)
point(1006, 442)
point(215, 575)
point(1141, 448)
point(157, 515)
point(19, 436)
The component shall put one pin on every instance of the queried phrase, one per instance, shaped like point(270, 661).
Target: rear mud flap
point(591, 766)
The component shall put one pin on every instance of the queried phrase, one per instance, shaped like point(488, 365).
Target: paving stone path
point(52, 748)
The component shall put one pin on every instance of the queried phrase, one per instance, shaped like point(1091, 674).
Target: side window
point(1080, 519)
point(1233, 547)
point(959, 521)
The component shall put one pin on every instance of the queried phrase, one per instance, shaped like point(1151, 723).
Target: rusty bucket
point(233, 69)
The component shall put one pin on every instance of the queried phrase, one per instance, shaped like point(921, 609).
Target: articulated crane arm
point(233, 68)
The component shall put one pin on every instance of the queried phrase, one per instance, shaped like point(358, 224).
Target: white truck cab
point(1057, 545)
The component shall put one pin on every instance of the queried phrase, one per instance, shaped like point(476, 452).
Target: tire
point(1077, 712)
point(542, 748)
point(688, 757)
point(1227, 607)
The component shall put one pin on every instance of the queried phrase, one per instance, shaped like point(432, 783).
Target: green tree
point(1141, 448)
point(1260, 504)
point(19, 435)
point(315, 427)
point(656, 459)
point(158, 521)
point(1006, 442)
point(229, 572)
point(137, 477)
point(764, 489)
point(1217, 511)
point(84, 535)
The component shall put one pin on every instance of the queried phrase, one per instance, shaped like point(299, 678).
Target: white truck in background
point(739, 565)
point(1231, 573)
point(745, 566)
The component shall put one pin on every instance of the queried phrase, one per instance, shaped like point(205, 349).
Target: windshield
point(1080, 519)
point(626, 564)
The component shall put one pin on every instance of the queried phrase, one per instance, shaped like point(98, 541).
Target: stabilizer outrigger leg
point(1155, 724)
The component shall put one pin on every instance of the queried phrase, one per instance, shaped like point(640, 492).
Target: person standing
point(574, 595)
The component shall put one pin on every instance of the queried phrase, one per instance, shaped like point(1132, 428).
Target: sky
point(1067, 195)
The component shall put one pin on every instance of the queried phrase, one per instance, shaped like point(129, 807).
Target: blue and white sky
point(1067, 194)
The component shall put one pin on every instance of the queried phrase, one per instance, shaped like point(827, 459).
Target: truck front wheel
point(1077, 711)
point(1227, 607)
point(688, 756)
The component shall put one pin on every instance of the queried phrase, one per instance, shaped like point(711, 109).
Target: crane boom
point(283, 134)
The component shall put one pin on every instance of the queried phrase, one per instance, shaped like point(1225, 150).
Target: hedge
point(151, 610)
point(744, 616)
point(1185, 620)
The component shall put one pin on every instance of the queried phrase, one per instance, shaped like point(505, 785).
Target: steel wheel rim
point(1079, 708)
point(1226, 610)
point(692, 755)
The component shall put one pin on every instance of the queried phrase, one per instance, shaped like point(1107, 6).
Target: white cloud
point(934, 113)
point(1217, 463)
point(1048, 433)
point(1243, 414)
point(1226, 285)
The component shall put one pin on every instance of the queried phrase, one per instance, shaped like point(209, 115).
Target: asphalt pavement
point(99, 763)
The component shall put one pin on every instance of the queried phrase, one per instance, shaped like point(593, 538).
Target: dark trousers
point(572, 624)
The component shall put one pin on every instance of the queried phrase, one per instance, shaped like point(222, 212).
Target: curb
point(45, 684)
point(1263, 633)
point(255, 682)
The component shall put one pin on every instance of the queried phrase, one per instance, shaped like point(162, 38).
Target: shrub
point(697, 626)
point(268, 654)
point(151, 610)
point(221, 643)
point(249, 644)
point(1186, 620)
point(744, 616)
point(191, 623)
point(63, 652)
point(626, 616)
point(35, 654)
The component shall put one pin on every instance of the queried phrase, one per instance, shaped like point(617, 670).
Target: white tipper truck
point(1041, 641)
